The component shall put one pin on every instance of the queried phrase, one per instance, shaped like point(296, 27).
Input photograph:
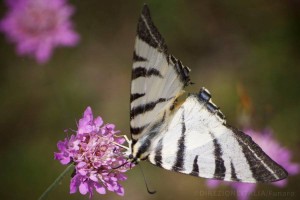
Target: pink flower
point(39, 26)
point(273, 149)
point(98, 158)
point(278, 153)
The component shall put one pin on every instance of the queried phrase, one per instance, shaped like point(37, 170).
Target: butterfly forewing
point(157, 78)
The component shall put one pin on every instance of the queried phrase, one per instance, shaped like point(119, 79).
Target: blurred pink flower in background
point(39, 26)
point(273, 149)
point(97, 155)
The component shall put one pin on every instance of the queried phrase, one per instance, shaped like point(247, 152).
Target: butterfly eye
point(130, 156)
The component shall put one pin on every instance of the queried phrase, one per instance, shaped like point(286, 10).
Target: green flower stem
point(56, 182)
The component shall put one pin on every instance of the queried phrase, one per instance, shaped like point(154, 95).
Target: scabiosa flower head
point(273, 149)
point(38, 26)
point(96, 153)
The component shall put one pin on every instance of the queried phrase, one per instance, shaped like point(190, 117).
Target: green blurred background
point(226, 43)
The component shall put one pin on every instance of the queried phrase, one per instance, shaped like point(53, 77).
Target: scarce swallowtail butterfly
point(192, 137)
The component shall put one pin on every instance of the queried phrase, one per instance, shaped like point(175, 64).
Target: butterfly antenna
point(148, 190)
point(131, 165)
point(120, 165)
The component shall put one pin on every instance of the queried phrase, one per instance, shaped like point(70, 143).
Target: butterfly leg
point(128, 152)
point(124, 147)
point(127, 140)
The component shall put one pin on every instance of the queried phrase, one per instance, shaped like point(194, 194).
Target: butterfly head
point(129, 154)
point(133, 159)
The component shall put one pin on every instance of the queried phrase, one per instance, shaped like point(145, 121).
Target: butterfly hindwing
point(198, 142)
point(157, 77)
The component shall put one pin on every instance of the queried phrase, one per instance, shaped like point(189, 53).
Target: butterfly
point(190, 137)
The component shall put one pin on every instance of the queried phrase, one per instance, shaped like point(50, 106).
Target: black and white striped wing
point(198, 142)
point(157, 78)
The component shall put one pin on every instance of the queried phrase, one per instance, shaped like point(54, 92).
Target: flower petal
point(65, 160)
point(244, 190)
point(98, 121)
point(99, 188)
point(83, 188)
point(93, 177)
point(88, 114)
point(73, 186)
point(281, 183)
point(213, 183)
point(120, 191)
